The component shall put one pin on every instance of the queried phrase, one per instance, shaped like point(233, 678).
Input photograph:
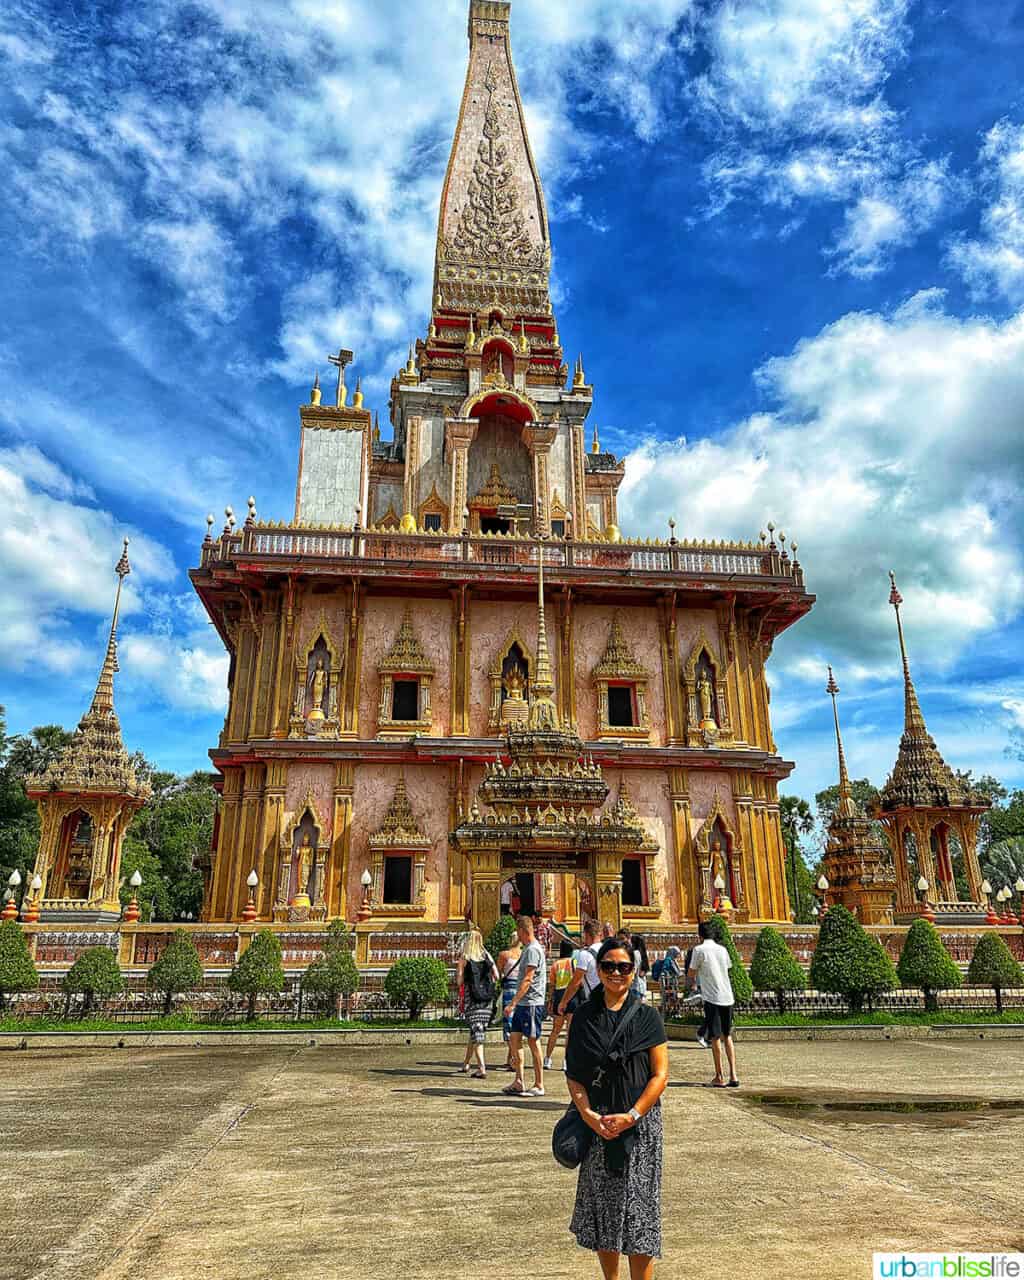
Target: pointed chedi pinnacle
point(913, 719)
point(103, 698)
point(846, 807)
point(595, 446)
point(315, 394)
point(543, 712)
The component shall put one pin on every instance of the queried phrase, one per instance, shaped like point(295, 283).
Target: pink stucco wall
point(490, 624)
point(318, 778)
point(591, 629)
point(432, 621)
point(428, 790)
point(649, 791)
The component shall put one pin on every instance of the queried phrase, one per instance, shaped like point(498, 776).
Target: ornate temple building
point(931, 820)
point(858, 863)
point(87, 799)
point(450, 666)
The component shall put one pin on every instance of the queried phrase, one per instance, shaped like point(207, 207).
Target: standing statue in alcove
point(304, 857)
point(719, 869)
point(319, 691)
point(706, 694)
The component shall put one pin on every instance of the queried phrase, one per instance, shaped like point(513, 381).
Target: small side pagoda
point(931, 820)
point(87, 799)
point(857, 863)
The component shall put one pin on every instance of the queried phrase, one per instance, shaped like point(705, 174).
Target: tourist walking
point(584, 975)
point(617, 1069)
point(709, 966)
point(478, 981)
point(508, 964)
point(526, 1010)
point(558, 979)
point(505, 894)
point(667, 971)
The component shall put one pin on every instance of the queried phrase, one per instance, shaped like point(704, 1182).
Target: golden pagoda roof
point(95, 760)
point(920, 778)
point(400, 828)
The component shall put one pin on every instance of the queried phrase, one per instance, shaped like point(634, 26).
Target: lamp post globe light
point(30, 907)
point(1019, 886)
point(365, 909)
point(249, 914)
point(131, 913)
point(10, 911)
point(986, 892)
point(922, 893)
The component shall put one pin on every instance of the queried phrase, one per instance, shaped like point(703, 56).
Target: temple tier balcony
point(270, 549)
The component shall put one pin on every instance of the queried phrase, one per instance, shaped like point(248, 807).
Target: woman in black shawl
point(618, 1196)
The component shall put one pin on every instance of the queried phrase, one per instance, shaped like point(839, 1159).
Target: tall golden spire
point(103, 698)
point(846, 807)
point(913, 721)
point(543, 712)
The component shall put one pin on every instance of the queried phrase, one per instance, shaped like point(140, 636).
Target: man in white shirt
point(505, 896)
point(584, 975)
point(709, 967)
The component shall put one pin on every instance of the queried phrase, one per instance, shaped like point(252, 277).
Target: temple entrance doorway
point(529, 893)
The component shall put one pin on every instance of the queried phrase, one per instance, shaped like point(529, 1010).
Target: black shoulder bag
point(572, 1136)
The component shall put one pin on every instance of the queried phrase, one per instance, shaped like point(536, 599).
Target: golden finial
point(103, 698)
point(595, 446)
point(376, 428)
point(524, 341)
point(315, 394)
point(912, 716)
point(411, 363)
point(357, 399)
point(471, 333)
point(846, 806)
point(578, 380)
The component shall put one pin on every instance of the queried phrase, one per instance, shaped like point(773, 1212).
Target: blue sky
point(789, 241)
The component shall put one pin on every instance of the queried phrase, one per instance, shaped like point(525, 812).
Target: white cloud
point(994, 262)
point(59, 557)
point(894, 443)
point(891, 216)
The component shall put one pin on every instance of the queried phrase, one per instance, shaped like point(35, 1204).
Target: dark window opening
point(632, 882)
point(405, 703)
point(558, 528)
point(495, 524)
point(527, 885)
point(398, 879)
point(620, 706)
point(432, 523)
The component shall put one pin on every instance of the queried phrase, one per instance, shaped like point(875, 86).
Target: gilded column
point(579, 481)
point(459, 434)
point(684, 857)
point(411, 487)
point(341, 846)
point(227, 844)
point(269, 847)
point(539, 439)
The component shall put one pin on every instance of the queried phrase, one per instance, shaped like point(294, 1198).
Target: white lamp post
point(249, 914)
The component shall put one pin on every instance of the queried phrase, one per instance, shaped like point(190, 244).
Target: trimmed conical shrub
point(775, 968)
point(742, 987)
point(333, 974)
point(259, 970)
point(177, 969)
point(993, 965)
point(848, 961)
point(94, 974)
point(17, 970)
point(924, 962)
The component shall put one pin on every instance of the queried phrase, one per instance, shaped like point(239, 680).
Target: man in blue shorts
point(526, 1010)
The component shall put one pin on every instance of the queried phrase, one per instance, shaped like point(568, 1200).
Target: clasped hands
point(607, 1127)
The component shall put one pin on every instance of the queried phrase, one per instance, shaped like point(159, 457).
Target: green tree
point(775, 968)
point(153, 894)
point(176, 825)
point(416, 982)
point(500, 937)
point(865, 796)
point(924, 962)
point(177, 969)
point(334, 974)
point(17, 970)
point(259, 970)
point(797, 823)
point(1003, 862)
point(94, 974)
point(742, 987)
point(21, 755)
point(848, 961)
point(993, 965)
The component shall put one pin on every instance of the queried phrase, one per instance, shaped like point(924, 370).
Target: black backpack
point(478, 977)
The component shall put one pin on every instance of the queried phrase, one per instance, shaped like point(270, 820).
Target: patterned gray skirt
point(622, 1213)
point(478, 1017)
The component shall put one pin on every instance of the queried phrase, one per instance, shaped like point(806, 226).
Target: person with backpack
point(478, 981)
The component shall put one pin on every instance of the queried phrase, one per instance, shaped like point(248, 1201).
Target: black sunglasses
point(623, 967)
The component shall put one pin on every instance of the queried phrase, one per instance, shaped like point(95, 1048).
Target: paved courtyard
point(279, 1162)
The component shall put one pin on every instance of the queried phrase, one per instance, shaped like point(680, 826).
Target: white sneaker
point(549, 1064)
point(536, 1092)
point(702, 1042)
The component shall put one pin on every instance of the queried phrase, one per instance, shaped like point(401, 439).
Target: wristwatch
point(634, 1115)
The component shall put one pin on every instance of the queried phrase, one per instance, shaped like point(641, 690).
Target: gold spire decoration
point(316, 394)
point(846, 807)
point(596, 444)
point(920, 777)
point(357, 399)
point(543, 712)
point(579, 379)
point(95, 759)
point(103, 698)
point(913, 719)
point(406, 653)
point(399, 828)
point(376, 428)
